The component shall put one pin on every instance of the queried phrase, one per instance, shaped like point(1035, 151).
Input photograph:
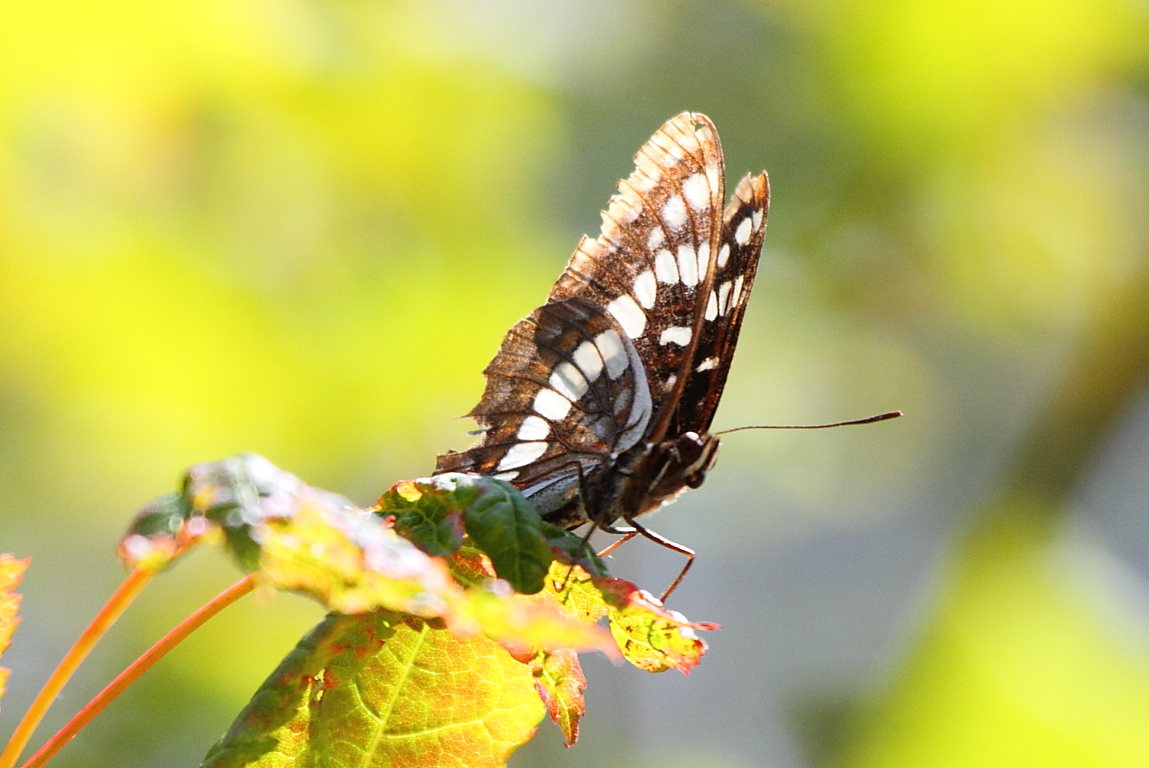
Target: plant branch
point(139, 667)
point(104, 619)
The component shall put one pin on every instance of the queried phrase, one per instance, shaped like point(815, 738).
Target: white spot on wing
point(687, 266)
point(569, 382)
point(712, 176)
point(723, 254)
point(646, 289)
point(697, 191)
point(703, 260)
point(724, 297)
point(554, 490)
point(628, 314)
point(677, 334)
point(613, 352)
point(521, 454)
point(742, 234)
point(712, 307)
point(507, 475)
point(665, 267)
point(656, 238)
point(674, 212)
point(758, 219)
point(708, 364)
point(551, 404)
point(640, 400)
point(736, 297)
point(671, 381)
point(588, 360)
point(533, 428)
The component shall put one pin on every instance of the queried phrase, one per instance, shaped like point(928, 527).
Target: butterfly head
point(696, 455)
point(671, 467)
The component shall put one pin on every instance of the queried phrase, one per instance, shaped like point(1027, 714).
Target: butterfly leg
point(626, 536)
point(583, 495)
point(662, 541)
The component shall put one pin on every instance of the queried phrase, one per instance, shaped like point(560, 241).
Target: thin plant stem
point(104, 619)
point(139, 667)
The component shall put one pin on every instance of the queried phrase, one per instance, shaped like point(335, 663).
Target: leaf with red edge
point(11, 573)
point(386, 690)
point(649, 636)
point(300, 538)
point(560, 683)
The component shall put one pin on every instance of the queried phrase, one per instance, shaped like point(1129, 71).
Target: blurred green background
point(301, 228)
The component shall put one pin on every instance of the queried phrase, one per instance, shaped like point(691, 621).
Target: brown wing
point(743, 227)
point(566, 388)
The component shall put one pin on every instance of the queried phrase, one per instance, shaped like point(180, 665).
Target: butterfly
point(598, 404)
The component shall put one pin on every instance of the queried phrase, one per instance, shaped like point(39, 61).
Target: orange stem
point(139, 667)
point(104, 619)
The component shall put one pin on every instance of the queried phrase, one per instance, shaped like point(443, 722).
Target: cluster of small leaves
point(457, 615)
point(11, 572)
point(436, 514)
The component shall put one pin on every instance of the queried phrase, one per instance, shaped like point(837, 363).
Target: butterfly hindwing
point(567, 387)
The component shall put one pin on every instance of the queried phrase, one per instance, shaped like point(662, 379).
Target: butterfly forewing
point(743, 227)
point(659, 237)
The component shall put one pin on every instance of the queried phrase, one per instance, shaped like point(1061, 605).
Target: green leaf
point(433, 512)
point(272, 730)
point(160, 533)
point(431, 520)
point(505, 526)
point(429, 656)
point(386, 690)
point(11, 573)
point(574, 549)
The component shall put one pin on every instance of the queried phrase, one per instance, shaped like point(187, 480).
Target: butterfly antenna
point(868, 420)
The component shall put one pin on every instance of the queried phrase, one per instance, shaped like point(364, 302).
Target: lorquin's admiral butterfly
point(598, 403)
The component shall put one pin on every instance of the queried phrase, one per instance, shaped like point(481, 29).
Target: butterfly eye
point(690, 447)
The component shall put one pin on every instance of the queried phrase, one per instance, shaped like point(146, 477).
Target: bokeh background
point(301, 228)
